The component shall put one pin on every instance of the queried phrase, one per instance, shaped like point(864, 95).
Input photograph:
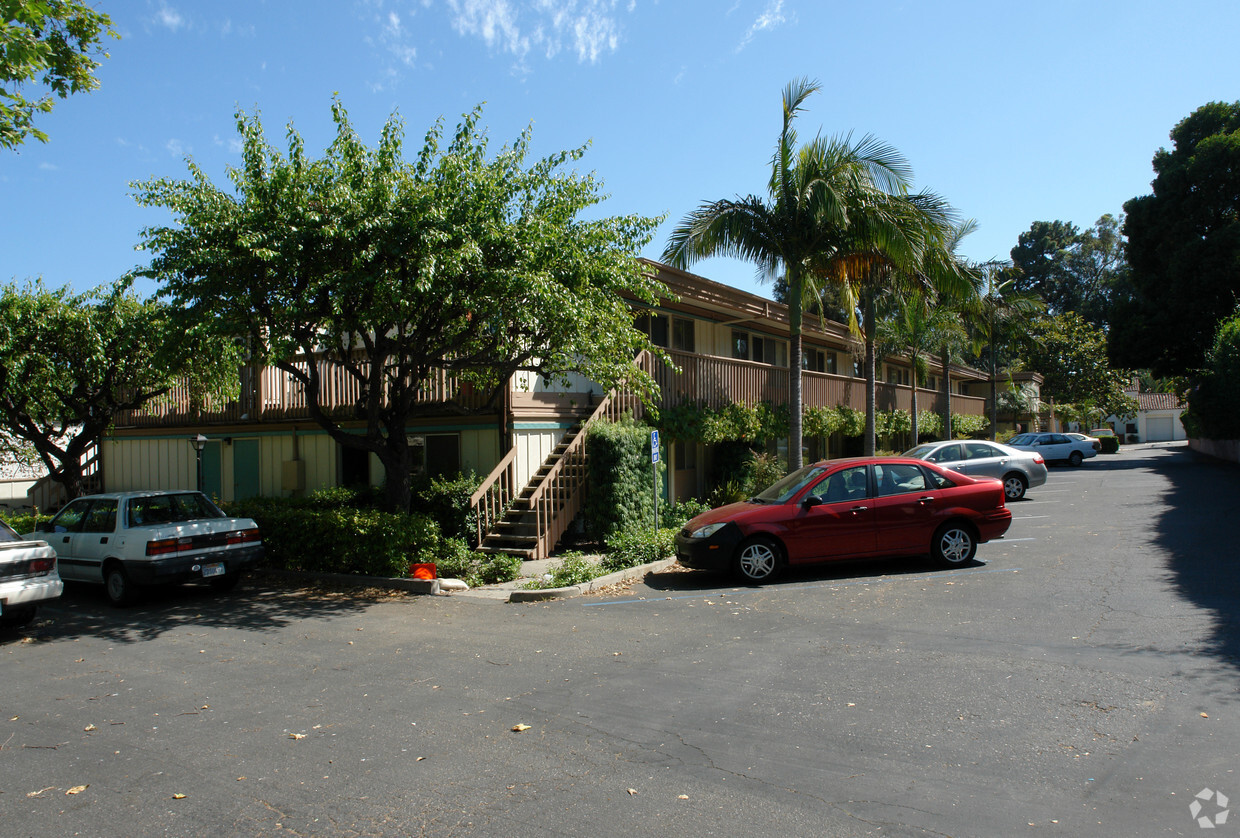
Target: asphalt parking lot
point(1080, 678)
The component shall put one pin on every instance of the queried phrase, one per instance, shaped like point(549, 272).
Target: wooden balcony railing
point(717, 382)
point(270, 394)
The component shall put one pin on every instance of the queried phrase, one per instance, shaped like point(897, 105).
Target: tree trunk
point(913, 398)
point(994, 394)
point(796, 291)
point(946, 388)
point(398, 473)
point(871, 377)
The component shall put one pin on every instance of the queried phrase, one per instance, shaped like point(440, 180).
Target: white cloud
point(235, 145)
point(591, 28)
point(48, 167)
point(771, 17)
point(396, 39)
point(169, 17)
point(175, 148)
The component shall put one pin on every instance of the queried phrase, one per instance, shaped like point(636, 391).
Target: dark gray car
point(1019, 470)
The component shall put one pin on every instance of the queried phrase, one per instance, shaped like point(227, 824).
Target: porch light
point(198, 442)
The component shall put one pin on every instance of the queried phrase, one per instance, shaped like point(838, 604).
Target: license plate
point(213, 569)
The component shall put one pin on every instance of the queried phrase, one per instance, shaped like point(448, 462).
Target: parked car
point(129, 540)
point(846, 509)
point(1055, 447)
point(1101, 432)
point(28, 577)
point(1092, 440)
point(1019, 470)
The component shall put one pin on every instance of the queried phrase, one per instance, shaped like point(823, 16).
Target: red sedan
point(848, 509)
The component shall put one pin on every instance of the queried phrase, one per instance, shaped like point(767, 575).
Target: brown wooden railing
point(271, 394)
point(717, 382)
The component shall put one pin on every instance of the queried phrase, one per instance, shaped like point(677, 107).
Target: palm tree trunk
point(871, 377)
point(796, 289)
point(913, 409)
point(946, 387)
point(994, 394)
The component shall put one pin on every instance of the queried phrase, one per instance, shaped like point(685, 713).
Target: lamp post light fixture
point(199, 442)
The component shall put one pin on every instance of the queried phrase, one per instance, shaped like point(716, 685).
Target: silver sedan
point(1019, 470)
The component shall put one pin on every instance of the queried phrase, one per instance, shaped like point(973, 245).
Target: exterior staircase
point(517, 532)
point(528, 521)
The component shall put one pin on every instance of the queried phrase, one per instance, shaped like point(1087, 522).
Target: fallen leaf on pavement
point(632, 792)
point(89, 728)
point(78, 789)
point(520, 728)
point(40, 792)
point(1205, 715)
point(682, 797)
point(178, 796)
point(297, 736)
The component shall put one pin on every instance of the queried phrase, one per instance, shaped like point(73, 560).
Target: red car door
point(837, 524)
point(907, 509)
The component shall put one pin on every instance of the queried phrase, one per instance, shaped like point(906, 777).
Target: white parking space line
point(1028, 517)
point(1013, 540)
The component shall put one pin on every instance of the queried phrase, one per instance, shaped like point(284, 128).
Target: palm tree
point(897, 243)
point(918, 325)
point(1000, 313)
point(812, 193)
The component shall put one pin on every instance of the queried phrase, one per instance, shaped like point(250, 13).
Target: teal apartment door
point(245, 469)
point(212, 479)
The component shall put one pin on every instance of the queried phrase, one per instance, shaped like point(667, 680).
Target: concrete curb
point(413, 586)
point(544, 594)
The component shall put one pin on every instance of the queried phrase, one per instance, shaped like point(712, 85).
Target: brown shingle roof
point(1158, 401)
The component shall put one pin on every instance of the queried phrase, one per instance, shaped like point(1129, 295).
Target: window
point(102, 517)
point(813, 360)
point(354, 467)
point(932, 382)
point(846, 485)
point(857, 371)
point(831, 364)
point(71, 517)
point(897, 375)
point(435, 454)
point(740, 345)
point(683, 333)
point(686, 455)
point(653, 326)
point(898, 479)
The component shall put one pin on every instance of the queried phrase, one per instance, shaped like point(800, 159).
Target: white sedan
point(28, 577)
point(1055, 447)
point(128, 540)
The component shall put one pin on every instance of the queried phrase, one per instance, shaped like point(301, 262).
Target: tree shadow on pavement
point(1197, 532)
point(257, 604)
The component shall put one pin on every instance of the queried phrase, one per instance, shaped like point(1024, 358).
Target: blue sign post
point(654, 466)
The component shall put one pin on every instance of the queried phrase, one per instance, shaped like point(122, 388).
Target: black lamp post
point(199, 442)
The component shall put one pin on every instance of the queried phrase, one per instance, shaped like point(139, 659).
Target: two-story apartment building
point(728, 345)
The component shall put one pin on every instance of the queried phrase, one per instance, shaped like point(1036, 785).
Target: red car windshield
point(786, 489)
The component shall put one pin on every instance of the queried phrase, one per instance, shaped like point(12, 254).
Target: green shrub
point(299, 536)
point(457, 561)
point(1110, 444)
point(638, 545)
point(676, 515)
point(968, 427)
point(573, 569)
point(494, 568)
point(446, 499)
point(620, 477)
point(22, 521)
point(1214, 406)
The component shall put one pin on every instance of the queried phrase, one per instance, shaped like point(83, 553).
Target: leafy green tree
point(52, 43)
point(917, 327)
point(69, 363)
point(1183, 248)
point(388, 272)
point(1214, 405)
point(1071, 269)
point(1071, 355)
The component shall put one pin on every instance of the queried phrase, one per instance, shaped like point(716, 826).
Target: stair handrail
point(494, 495)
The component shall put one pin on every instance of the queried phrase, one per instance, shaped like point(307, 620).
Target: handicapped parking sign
point(654, 446)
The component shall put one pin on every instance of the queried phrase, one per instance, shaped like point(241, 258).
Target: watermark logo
point(1197, 807)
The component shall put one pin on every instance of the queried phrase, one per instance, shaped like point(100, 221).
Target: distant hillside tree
point(1183, 248)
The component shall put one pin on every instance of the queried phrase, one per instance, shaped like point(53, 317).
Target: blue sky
point(1014, 112)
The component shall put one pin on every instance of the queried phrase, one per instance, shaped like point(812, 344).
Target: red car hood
point(724, 513)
